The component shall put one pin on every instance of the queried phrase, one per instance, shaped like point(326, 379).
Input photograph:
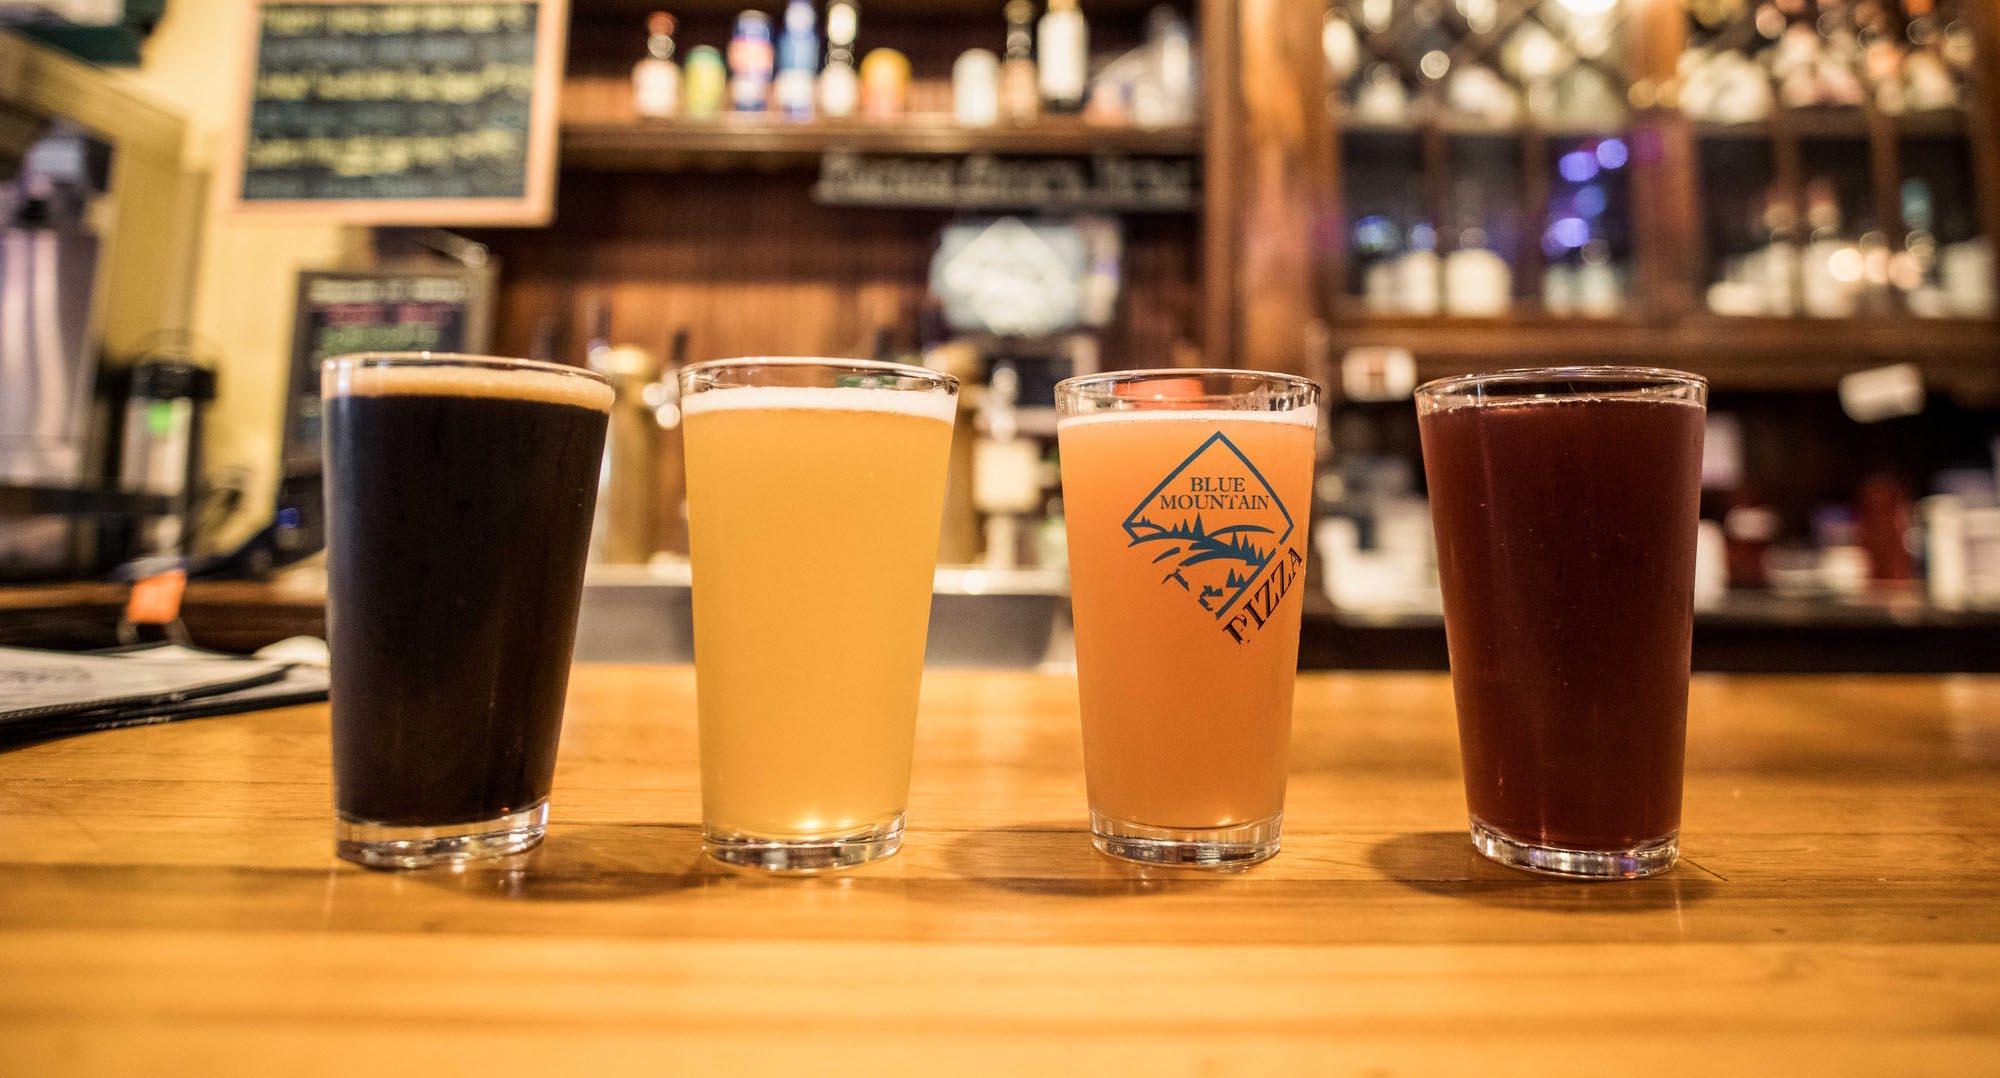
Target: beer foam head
point(922, 404)
point(1646, 397)
point(545, 383)
point(1304, 416)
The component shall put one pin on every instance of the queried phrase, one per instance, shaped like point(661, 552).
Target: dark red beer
point(1565, 508)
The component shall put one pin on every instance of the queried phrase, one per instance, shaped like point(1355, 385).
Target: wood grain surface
point(169, 904)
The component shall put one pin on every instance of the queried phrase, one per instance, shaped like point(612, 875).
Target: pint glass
point(459, 492)
point(1565, 502)
point(1188, 500)
point(815, 494)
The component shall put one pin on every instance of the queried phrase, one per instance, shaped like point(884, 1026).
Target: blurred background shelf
point(758, 140)
point(1958, 356)
point(900, 10)
point(1463, 126)
point(1746, 632)
point(1562, 181)
point(1840, 123)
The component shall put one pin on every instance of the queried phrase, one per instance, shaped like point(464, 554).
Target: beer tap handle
point(663, 394)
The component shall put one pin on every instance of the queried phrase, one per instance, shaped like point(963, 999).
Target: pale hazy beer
point(815, 493)
point(1188, 499)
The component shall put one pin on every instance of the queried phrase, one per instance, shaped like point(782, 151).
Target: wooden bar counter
point(169, 904)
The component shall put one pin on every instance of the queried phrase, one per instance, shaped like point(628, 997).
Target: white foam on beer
point(1305, 416)
point(920, 404)
point(507, 383)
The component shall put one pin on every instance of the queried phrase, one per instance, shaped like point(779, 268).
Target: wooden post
point(1667, 255)
point(1220, 223)
point(1982, 121)
point(1285, 185)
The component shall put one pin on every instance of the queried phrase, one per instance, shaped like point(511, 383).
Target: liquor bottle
point(1020, 90)
point(839, 86)
point(1062, 47)
point(706, 84)
point(1599, 292)
point(1873, 292)
point(1915, 267)
point(1167, 34)
point(1416, 275)
point(1778, 260)
point(975, 91)
point(885, 84)
point(750, 61)
point(798, 62)
point(1833, 268)
point(656, 79)
point(1477, 281)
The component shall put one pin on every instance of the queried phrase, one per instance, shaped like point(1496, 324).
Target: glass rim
point(1083, 384)
point(937, 380)
point(458, 359)
point(1528, 376)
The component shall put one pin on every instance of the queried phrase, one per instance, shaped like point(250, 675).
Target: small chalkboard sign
point(415, 112)
point(443, 309)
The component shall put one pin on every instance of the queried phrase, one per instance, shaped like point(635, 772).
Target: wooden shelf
point(739, 139)
point(1837, 123)
point(1803, 123)
point(870, 9)
point(1736, 353)
point(1459, 127)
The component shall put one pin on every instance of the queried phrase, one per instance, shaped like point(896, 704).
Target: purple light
point(1570, 231)
point(1374, 233)
point(1589, 200)
point(1577, 166)
point(1611, 153)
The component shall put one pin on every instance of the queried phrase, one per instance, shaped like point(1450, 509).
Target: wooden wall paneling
point(749, 264)
point(746, 262)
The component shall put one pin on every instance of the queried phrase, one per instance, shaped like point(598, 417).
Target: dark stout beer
point(459, 499)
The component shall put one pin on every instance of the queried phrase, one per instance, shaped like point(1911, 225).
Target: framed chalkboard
point(417, 112)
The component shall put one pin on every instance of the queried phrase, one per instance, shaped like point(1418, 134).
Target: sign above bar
point(428, 112)
point(1105, 183)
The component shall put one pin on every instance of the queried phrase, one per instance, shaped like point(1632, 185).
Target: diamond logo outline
point(1139, 511)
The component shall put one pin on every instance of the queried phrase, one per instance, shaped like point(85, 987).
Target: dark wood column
point(1283, 165)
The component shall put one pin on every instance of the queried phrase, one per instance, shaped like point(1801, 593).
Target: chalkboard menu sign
point(429, 112)
point(417, 310)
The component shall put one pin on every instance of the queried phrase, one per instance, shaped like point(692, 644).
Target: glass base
point(381, 845)
point(805, 855)
point(1643, 860)
point(1191, 847)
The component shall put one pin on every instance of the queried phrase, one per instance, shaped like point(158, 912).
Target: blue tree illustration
point(1232, 543)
